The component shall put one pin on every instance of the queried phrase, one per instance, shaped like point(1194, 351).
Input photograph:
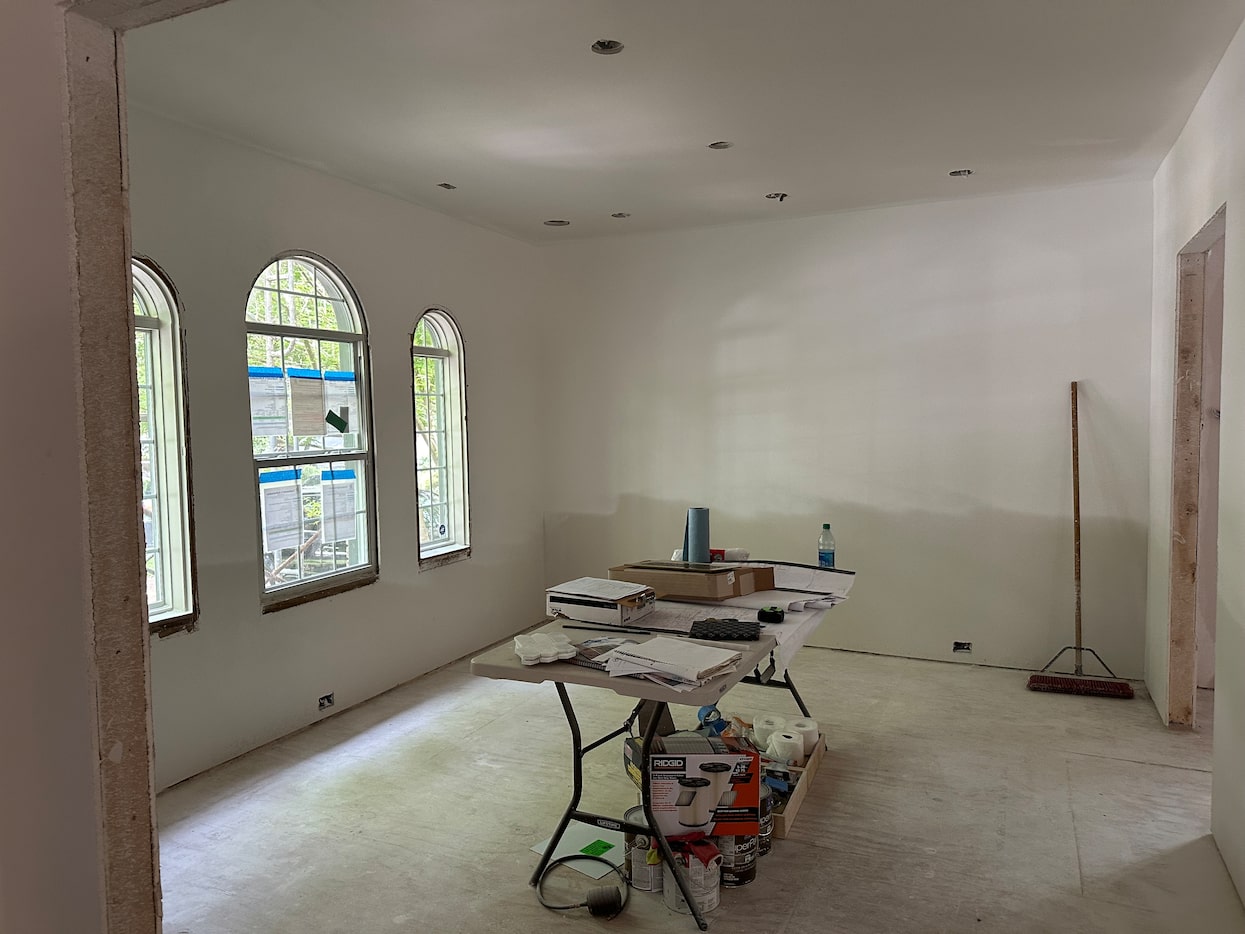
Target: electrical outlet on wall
point(326, 701)
point(962, 647)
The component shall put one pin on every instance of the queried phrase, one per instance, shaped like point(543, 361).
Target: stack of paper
point(678, 663)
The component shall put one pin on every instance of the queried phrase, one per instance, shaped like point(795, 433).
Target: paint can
point(739, 858)
point(642, 862)
point(703, 881)
point(765, 839)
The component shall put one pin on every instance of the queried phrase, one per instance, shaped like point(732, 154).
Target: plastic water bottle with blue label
point(825, 547)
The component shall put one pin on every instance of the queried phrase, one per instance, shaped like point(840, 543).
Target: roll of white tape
point(764, 725)
point(788, 747)
point(809, 730)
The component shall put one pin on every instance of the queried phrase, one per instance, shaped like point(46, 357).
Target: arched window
point(439, 391)
point(306, 354)
point(164, 450)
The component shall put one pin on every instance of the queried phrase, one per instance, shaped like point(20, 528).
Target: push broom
point(1078, 682)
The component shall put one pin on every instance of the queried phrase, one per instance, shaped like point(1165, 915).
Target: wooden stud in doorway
point(1195, 462)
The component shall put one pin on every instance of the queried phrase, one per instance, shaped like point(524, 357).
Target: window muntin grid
point(439, 409)
point(164, 469)
point(306, 353)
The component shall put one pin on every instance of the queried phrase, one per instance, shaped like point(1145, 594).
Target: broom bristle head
point(1090, 687)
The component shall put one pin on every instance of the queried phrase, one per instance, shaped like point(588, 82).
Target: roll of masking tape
point(809, 730)
point(765, 725)
point(787, 747)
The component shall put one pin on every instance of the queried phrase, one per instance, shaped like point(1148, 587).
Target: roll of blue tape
point(696, 538)
point(711, 720)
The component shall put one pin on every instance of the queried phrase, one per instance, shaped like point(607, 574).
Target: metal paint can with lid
point(739, 858)
point(765, 839)
point(642, 862)
point(702, 878)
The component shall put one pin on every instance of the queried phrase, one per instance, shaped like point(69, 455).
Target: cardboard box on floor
point(717, 794)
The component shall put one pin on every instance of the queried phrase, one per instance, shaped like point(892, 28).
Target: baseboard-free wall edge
point(941, 661)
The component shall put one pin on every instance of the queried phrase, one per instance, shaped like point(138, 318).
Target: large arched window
point(439, 391)
point(306, 354)
point(164, 450)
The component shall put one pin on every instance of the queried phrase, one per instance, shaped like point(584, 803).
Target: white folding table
point(764, 662)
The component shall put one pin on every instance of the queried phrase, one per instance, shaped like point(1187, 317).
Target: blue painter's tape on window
point(343, 375)
point(337, 475)
point(298, 373)
point(264, 371)
point(274, 476)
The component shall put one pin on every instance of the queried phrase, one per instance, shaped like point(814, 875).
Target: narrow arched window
point(306, 354)
point(164, 450)
point(439, 395)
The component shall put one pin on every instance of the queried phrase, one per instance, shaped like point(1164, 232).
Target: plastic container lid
point(825, 525)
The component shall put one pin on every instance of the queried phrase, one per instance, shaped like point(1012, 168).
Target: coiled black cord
point(602, 901)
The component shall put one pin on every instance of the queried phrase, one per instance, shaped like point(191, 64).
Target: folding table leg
point(577, 766)
point(796, 694)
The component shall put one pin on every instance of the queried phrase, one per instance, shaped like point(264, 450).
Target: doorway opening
point(1195, 471)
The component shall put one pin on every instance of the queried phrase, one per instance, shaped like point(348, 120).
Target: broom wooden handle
point(1076, 523)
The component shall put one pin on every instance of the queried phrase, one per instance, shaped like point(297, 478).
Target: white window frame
point(450, 398)
point(166, 449)
point(360, 459)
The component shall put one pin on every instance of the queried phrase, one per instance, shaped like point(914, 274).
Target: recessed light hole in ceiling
point(960, 173)
point(721, 144)
point(607, 46)
point(777, 196)
point(557, 223)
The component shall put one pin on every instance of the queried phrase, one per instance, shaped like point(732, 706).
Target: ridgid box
point(716, 793)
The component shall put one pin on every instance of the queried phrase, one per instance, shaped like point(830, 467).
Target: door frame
point(1188, 471)
point(115, 626)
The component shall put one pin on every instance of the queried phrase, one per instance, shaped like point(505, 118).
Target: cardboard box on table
point(732, 784)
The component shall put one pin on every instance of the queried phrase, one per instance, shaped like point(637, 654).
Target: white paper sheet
point(598, 588)
point(817, 580)
point(338, 509)
point(695, 662)
point(307, 405)
point(280, 505)
point(269, 414)
point(342, 398)
point(581, 838)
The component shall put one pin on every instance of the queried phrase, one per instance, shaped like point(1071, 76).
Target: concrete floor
point(951, 800)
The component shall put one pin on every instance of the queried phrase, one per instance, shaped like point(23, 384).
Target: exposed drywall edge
point(117, 626)
point(1186, 473)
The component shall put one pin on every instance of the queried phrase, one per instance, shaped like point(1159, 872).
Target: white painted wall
point(902, 373)
point(1205, 169)
point(213, 214)
point(50, 880)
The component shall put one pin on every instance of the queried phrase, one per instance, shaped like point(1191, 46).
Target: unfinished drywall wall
point(1203, 171)
point(213, 214)
point(50, 873)
point(901, 373)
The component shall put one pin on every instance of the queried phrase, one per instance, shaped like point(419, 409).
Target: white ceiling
point(841, 103)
